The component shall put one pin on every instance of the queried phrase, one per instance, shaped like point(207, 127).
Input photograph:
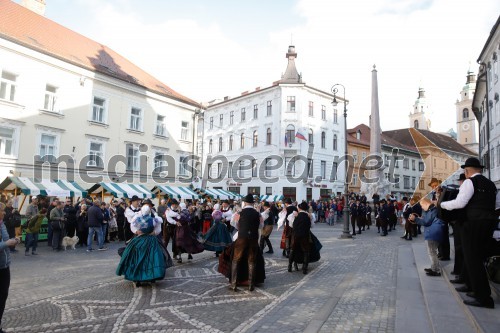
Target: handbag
point(57, 225)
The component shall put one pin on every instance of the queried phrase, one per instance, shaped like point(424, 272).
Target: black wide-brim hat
point(304, 206)
point(288, 201)
point(248, 198)
point(472, 162)
point(174, 202)
point(461, 177)
point(148, 202)
point(134, 198)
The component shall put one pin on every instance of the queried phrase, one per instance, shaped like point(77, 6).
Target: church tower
point(418, 117)
point(466, 120)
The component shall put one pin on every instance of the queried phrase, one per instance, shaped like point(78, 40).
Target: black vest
point(249, 224)
point(481, 205)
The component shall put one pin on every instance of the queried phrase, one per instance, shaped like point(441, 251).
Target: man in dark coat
point(353, 212)
point(95, 218)
point(384, 216)
point(247, 242)
point(287, 231)
point(477, 195)
point(301, 235)
point(70, 214)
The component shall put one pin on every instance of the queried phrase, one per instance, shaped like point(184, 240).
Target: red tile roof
point(387, 140)
point(22, 26)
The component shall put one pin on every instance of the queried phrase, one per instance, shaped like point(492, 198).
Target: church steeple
point(418, 117)
point(291, 74)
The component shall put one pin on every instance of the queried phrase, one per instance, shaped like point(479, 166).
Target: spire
point(291, 75)
point(471, 77)
point(375, 131)
point(421, 92)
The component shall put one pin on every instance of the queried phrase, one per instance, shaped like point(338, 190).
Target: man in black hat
point(172, 216)
point(300, 238)
point(130, 212)
point(384, 216)
point(477, 195)
point(247, 242)
point(286, 238)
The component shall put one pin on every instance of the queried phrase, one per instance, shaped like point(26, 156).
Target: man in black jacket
point(287, 231)
point(248, 237)
point(477, 195)
point(300, 238)
point(70, 214)
point(268, 228)
point(95, 218)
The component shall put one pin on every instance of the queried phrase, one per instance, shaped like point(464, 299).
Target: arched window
point(311, 136)
point(335, 142)
point(290, 134)
point(230, 142)
point(465, 113)
point(254, 139)
point(323, 140)
point(268, 136)
point(415, 124)
point(220, 144)
point(242, 141)
point(210, 146)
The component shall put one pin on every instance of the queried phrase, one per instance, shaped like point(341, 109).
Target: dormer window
point(358, 135)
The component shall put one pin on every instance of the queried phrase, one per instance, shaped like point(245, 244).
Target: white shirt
point(130, 214)
point(171, 215)
point(465, 192)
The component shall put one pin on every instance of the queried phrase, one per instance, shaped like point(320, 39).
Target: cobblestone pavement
point(351, 289)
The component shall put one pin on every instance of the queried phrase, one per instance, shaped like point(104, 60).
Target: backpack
point(16, 219)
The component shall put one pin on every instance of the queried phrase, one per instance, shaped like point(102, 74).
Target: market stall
point(175, 192)
point(120, 190)
point(271, 198)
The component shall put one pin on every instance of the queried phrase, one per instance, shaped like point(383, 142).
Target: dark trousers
point(57, 236)
point(169, 233)
point(121, 232)
point(82, 236)
point(444, 246)
point(264, 240)
point(128, 233)
point(49, 234)
point(70, 228)
point(475, 245)
point(242, 245)
point(353, 224)
point(457, 244)
point(4, 289)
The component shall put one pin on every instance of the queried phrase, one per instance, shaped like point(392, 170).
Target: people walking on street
point(32, 232)
point(286, 236)
point(301, 237)
point(94, 220)
point(185, 239)
point(217, 237)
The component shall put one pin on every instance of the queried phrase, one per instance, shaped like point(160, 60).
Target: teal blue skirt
point(217, 238)
point(143, 260)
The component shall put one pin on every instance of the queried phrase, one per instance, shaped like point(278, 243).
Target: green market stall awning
point(271, 198)
point(46, 187)
point(177, 192)
point(121, 190)
point(220, 194)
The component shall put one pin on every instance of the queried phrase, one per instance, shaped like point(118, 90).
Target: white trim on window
point(93, 161)
point(48, 143)
point(9, 148)
point(136, 119)
point(98, 112)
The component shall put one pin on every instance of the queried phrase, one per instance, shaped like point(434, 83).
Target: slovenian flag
point(300, 136)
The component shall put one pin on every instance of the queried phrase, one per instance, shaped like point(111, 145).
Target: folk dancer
point(130, 213)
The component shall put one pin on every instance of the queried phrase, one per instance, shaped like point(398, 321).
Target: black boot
point(296, 266)
point(290, 261)
point(262, 244)
point(405, 235)
point(234, 275)
point(251, 275)
point(306, 262)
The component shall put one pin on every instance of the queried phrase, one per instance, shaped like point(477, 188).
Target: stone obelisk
point(382, 185)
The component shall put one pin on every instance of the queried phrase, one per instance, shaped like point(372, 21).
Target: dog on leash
point(70, 241)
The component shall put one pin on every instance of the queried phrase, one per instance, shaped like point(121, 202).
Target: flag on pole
point(300, 136)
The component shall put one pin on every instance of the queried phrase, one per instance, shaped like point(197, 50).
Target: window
point(323, 169)
point(413, 164)
point(8, 86)
point(413, 180)
point(492, 158)
point(48, 147)
point(334, 171)
point(421, 166)
point(335, 113)
point(242, 141)
point(136, 119)
point(269, 108)
point(184, 130)
point(159, 162)
point(183, 165)
point(50, 98)
point(240, 170)
point(355, 156)
point(254, 139)
point(335, 142)
point(490, 75)
point(266, 167)
point(495, 67)
point(465, 113)
point(230, 170)
point(268, 136)
point(219, 170)
point(396, 181)
point(221, 120)
point(290, 134)
point(290, 167)
point(161, 127)
point(209, 167)
point(406, 163)
point(99, 110)
point(254, 168)
point(255, 111)
point(498, 154)
point(243, 114)
point(230, 146)
point(415, 124)
point(363, 156)
point(406, 180)
point(310, 168)
point(311, 109)
point(220, 144)
point(96, 154)
point(290, 104)
point(323, 140)
point(421, 185)
point(358, 134)
point(434, 162)
point(210, 146)
point(7, 141)
point(354, 179)
point(310, 136)
point(497, 111)
point(132, 157)
point(231, 117)
point(269, 190)
point(211, 125)
point(323, 112)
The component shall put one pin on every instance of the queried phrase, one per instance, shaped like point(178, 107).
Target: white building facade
point(467, 127)
point(486, 105)
point(90, 104)
point(256, 136)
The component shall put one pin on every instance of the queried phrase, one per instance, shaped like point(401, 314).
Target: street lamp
point(345, 233)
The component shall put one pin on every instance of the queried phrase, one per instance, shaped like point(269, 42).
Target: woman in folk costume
point(286, 237)
point(186, 240)
point(218, 237)
point(268, 217)
point(207, 218)
point(144, 259)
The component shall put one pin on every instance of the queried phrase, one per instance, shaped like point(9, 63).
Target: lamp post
point(345, 233)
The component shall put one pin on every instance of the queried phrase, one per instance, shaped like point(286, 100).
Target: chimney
point(226, 98)
point(37, 6)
